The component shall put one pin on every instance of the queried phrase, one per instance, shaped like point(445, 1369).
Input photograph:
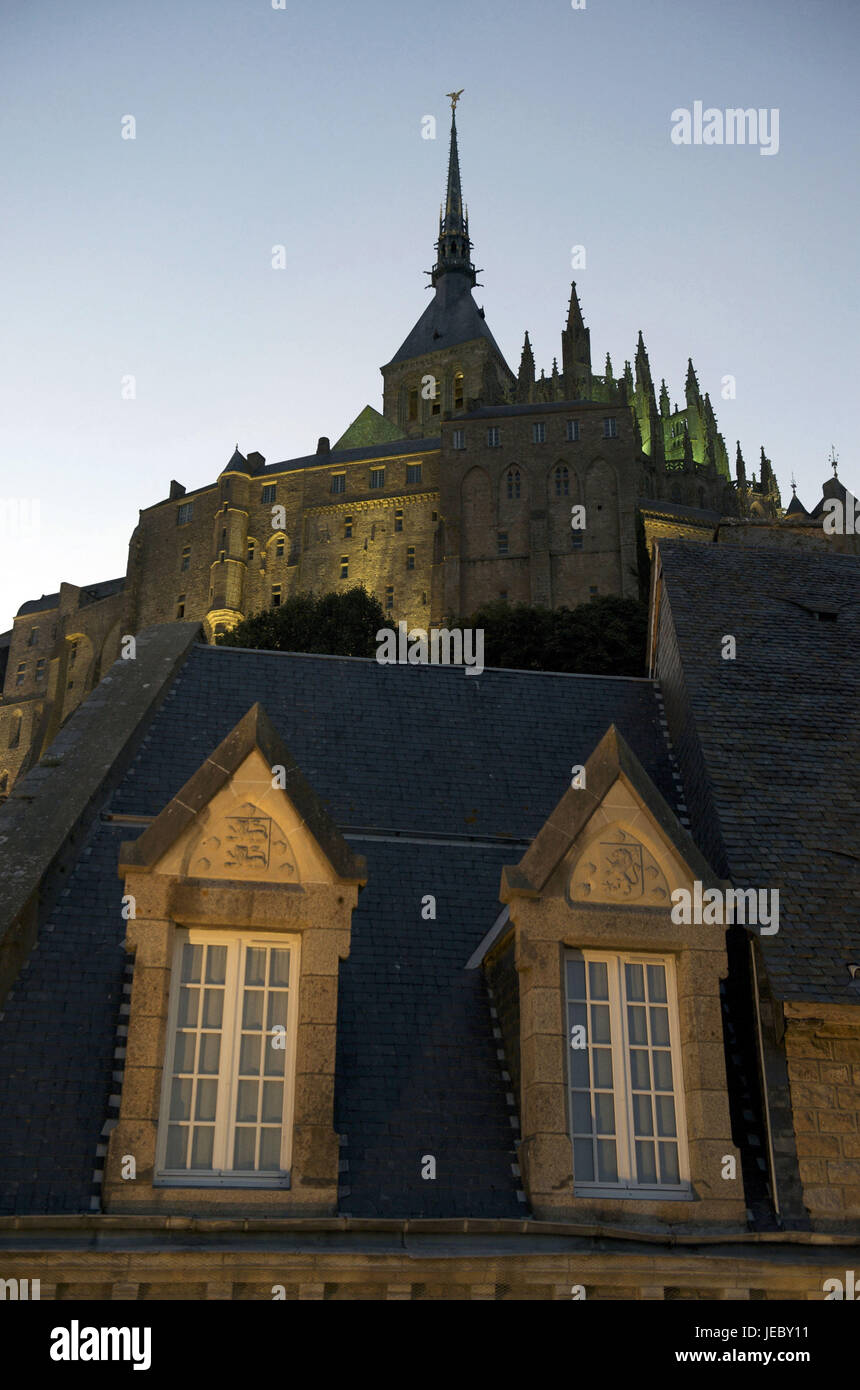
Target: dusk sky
point(258, 127)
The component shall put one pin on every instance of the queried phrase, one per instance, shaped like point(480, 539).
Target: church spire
point(453, 249)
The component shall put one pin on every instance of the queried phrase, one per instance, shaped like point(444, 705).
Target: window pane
point(646, 1163)
point(635, 982)
point(192, 962)
point(601, 1061)
point(599, 1023)
point(576, 979)
point(277, 1010)
point(659, 1027)
point(252, 1009)
point(642, 1118)
point(270, 1149)
point(275, 1058)
point(640, 1072)
point(180, 1098)
point(637, 1027)
point(581, 1112)
point(597, 981)
point(665, 1116)
point(583, 1160)
point(216, 965)
point(669, 1170)
point(604, 1110)
point(243, 1151)
point(579, 1066)
point(246, 1101)
point(249, 1054)
point(255, 966)
point(273, 1102)
point(607, 1166)
point(213, 1003)
point(657, 984)
point(201, 1148)
point(279, 969)
point(177, 1144)
point(662, 1071)
point(184, 1060)
point(188, 1006)
point(205, 1100)
point(210, 1052)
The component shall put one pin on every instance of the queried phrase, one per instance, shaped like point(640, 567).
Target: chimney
point(323, 445)
point(176, 490)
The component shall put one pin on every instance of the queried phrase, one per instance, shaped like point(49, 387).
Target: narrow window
point(434, 516)
point(21, 673)
point(226, 1097)
point(592, 591)
point(494, 437)
point(4, 784)
point(413, 403)
point(513, 482)
point(40, 669)
point(459, 441)
point(389, 598)
point(221, 554)
point(398, 519)
point(34, 637)
point(413, 472)
point(347, 528)
point(186, 557)
point(539, 432)
point(502, 542)
point(458, 391)
point(252, 545)
point(562, 482)
point(572, 431)
point(279, 548)
point(410, 557)
point(73, 653)
point(610, 427)
point(577, 540)
point(180, 606)
point(338, 482)
point(276, 595)
point(344, 567)
point(377, 478)
point(15, 729)
point(270, 492)
point(624, 1067)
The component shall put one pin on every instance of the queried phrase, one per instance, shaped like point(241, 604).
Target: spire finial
point(455, 97)
point(833, 460)
point(453, 249)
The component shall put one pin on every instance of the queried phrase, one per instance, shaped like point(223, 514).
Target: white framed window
point(459, 440)
point(227, 1094)
point(610, 427)
point(627, 1120)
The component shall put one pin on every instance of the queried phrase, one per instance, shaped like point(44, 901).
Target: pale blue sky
point(302, 127)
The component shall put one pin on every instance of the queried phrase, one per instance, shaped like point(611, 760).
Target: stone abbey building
point(460, 492)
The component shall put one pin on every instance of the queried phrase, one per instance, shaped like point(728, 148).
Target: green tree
point(337, 624)
point(606, 637)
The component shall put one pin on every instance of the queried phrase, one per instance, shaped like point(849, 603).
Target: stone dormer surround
point(575, 889)
point(232, 851)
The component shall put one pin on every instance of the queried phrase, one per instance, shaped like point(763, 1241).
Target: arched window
point(562, 482)
point(458, 391)
point(15, 729)
point(513, 482)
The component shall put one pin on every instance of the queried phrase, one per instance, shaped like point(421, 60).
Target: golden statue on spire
point(455, 97)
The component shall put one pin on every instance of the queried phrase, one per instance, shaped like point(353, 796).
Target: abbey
point(461, 491)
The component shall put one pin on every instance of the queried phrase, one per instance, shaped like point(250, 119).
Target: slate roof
point(372, 451)
point(451, 317)
point(439, 779)
point(90, 593)
point(37, 605)
point(780, 735)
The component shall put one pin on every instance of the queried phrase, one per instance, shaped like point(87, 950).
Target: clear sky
point(301, 127)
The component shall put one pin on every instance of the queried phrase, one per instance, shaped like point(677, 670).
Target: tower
point(450, 357)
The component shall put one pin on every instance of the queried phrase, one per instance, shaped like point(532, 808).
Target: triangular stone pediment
point(613, 841)
point(247, 814)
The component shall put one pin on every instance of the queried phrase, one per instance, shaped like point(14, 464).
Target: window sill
point(637, 1194)
point(217, 1181)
